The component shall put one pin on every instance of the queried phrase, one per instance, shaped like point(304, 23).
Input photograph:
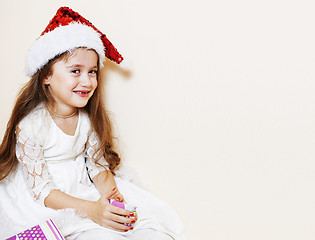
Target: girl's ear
point(47, 80)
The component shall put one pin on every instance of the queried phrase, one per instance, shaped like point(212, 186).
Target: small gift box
point(123, 206)
point(44, 231)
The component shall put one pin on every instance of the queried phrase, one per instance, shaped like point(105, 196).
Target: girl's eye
point(76, 71)
point(93, 71)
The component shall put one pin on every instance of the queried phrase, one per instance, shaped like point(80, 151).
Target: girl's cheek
point(95, 84)
point(73, 84)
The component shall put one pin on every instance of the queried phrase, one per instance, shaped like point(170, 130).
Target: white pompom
point(125, 64)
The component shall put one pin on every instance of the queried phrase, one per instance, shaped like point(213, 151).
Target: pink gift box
point(123, 206)
point(44, 231)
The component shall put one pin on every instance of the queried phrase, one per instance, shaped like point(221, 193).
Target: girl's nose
point(86, 81)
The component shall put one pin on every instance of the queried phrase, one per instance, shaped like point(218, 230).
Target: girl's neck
point(62, 114)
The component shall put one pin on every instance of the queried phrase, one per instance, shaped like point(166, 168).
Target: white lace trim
point(34, 167)
point(92, 156)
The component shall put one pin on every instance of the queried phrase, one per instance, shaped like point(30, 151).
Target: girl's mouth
point(82, 93)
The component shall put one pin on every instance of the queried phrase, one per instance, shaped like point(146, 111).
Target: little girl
point(57, 158)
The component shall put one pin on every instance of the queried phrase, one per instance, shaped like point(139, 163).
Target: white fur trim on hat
point(60, 40)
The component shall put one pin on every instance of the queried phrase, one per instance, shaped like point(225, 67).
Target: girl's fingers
point(116, 226)
point(123, 219)
point(109, 194)
point(114, 217)
point(121, 213)
point(119, 222)
point(136, 217)
point(112, 193)
point(119, 198)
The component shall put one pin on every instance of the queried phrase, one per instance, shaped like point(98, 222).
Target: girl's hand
point(110, 216)
point(118, 197)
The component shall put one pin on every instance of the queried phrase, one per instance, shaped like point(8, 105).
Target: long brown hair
point(33, 93)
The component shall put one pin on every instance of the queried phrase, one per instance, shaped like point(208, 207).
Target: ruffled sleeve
point(30, 154)
point(95, 162)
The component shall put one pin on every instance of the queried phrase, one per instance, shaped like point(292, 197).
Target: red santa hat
point(66, 31)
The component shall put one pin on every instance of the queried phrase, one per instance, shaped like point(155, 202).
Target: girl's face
point(73, 80)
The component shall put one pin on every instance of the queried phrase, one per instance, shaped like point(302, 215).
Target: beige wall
point(217, 113)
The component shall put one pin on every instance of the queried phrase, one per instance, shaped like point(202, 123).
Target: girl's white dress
point(50, 159)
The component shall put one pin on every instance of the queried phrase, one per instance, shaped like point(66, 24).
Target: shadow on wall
point(110, 66)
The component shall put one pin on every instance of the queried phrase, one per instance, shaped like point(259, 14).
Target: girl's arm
point(105, 182)
point(100, 211)
point(39, 181)
point(98, 167)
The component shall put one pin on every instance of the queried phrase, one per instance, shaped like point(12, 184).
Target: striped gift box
point(44, 231)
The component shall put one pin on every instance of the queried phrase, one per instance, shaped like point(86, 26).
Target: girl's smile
point(82, 93)
point(73, 81)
